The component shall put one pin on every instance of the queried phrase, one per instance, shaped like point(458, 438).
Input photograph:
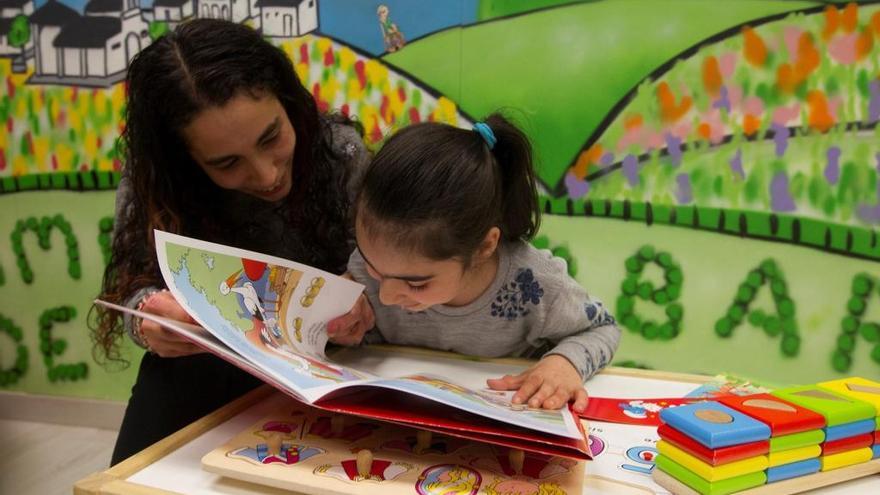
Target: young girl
point(443, 220)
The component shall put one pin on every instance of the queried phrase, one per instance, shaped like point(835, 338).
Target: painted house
point(231, 10)
point(46, 23)
point(93, 49)
point(173, 11)
point(9, 10)
point(288, 18)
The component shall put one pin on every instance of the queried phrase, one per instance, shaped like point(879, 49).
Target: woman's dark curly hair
point(205, 63)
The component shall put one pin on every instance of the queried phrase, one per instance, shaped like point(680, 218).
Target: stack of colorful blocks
point(741, 442)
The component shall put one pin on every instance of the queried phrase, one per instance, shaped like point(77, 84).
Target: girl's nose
point(389, 292)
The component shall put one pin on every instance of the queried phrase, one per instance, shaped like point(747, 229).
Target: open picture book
point(268, 316)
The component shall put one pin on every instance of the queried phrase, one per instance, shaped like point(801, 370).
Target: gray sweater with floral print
point(533, 308)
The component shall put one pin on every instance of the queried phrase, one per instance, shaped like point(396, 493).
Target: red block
point(783, 418)
point(877, 436)
point(848, 443)
point(715, 457)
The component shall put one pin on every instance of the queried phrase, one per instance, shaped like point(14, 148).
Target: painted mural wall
point(708, 169)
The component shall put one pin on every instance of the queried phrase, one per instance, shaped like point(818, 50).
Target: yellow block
point(794, 455)
point(856, 388)
point(709, 472)
point(847, 458)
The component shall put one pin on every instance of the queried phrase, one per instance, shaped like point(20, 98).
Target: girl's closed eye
point(417, 288)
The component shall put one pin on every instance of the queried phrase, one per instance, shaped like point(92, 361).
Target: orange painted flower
point(864, 44)
point(670, 111)
point(712, 79)
point(751, 124)
point(850, 17)
point(820, 117)
point(585, 159)
point(632, 121)
point(832, 22)
point(754, 47)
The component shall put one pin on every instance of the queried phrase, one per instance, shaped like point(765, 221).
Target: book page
point(272, 312)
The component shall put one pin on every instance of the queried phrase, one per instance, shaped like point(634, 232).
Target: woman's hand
point(159, 340)
point(550, 384)
point(349, 329)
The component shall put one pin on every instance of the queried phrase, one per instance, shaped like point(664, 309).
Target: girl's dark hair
point(437, 190)
point(205, 63)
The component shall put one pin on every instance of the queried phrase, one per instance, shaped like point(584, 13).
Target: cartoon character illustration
point(501, 486)
point(364, 468)
point(391, 35)
point(323, 428)
point(534, 465)
point(639, 409)
point(448, 479)
point(276, 449)
point(436, 445)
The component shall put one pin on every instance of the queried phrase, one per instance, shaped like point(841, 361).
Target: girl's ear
point(490, 244)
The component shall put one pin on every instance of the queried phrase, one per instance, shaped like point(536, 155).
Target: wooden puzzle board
point(174, 465)
point(311, 451)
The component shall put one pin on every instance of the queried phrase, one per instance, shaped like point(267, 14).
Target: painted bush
point(56, 129)
point(777, 117)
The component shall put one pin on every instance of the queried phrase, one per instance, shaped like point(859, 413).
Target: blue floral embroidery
point(511, 300)
point(597, 314)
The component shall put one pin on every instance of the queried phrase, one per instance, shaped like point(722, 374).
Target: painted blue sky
point(355, 21)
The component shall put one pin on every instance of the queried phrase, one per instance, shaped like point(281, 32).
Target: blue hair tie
point(486, 132)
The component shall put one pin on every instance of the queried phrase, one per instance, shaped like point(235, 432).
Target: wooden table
point(172, 465)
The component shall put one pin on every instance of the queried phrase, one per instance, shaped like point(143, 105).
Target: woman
point(224, 144)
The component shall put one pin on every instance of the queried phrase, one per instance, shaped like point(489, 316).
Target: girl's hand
point(349, 329)
point(159, 340)
point(550, 384)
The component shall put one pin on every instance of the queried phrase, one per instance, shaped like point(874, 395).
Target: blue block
point(793, 470)
point(876, 451)
point(715, 425)
point(833, 433)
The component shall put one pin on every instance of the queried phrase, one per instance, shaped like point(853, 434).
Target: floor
point(42, 458)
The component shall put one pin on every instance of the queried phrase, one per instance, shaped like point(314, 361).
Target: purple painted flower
point(780, 137)
point(683, 192)
point(723, 102)
point(874, 105)
point(673, 146)
point(607, 159)
point(630, 167)
point(870, 213)
point(736, 164)
point(780, 197)
point(576, 188)
point(832, 169)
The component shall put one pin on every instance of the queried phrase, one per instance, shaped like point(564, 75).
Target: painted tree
point(19, 32)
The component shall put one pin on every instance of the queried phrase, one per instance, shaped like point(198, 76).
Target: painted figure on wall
point(391, 35)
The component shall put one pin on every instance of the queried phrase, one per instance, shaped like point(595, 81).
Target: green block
point(9, 184)
point(616, 209)
point(72, 180)
point(836, 408)
point(785, 230)
point(758, 224)
point(558, 206)
point(731, 221)
point(707, 218)
point(87, 180)
point(723, 487)
point(796, 440)
point(638, 211)
point(104, 180)
point(58, 181)
point(813, 232)
point(684, 215)
point(661, 213)
point(838, 236)
point(27, 182)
